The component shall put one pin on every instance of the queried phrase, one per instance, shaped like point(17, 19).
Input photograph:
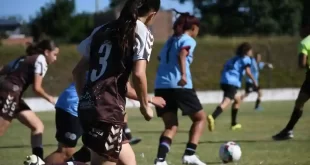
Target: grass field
point(254, 138)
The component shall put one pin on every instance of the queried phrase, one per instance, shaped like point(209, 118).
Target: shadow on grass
point(25, 146)
point(246, 141)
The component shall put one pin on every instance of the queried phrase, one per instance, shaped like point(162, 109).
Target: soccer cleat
point(236, 127)
point(192, 160)
point(33, 160)
point(134, 141)
point(259, 108)
point(283, 135)
point(158, 162)
point(211, 123)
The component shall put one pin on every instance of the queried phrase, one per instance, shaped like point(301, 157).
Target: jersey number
point(104, 53)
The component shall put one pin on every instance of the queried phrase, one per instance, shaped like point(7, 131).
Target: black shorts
point(250, 87)
point(68, 128)
point(185, 99)
point(229, 91)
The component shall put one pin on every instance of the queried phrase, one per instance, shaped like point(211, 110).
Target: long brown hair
point(184, 22)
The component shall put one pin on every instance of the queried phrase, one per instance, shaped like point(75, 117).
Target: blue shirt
point(255, 67)
point(233, 70)
point(69, 100)
point(168, 72)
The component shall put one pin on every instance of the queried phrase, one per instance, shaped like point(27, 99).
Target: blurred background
point(271, 26)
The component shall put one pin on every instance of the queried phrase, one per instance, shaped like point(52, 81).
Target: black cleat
point(283, 135)
point(134, 141)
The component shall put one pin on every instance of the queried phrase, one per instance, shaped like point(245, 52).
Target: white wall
point(206, 97)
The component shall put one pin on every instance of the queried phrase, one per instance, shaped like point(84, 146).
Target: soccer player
point(18, 75)
point(110, 54)
point(174, 84)
point(69, 129)
point(304, 93)
point(231, 80)
point(256, 65)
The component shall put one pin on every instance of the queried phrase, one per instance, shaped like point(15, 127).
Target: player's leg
point(229, 94)
point(68, 131)
point(127, 155)
point(4, 124)
point(190, 105)
point(34, 123)
point(127, 132)
point(170, 119)
point(248, 90)
point(234, 112)
point(82, 155)
point(258, 100)
point(303, 97)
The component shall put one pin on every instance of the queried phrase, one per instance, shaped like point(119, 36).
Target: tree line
point(218, 17)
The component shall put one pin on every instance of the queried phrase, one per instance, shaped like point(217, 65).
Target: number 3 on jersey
point(104, 52)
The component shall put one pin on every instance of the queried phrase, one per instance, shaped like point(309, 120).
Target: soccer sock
point(38, 151)
point(234, 112)
point(257, 103)
point(297, 113)
point(83, 155)
point(127, 132)
point(163, 148)
point(190, 149)
point(217, 112)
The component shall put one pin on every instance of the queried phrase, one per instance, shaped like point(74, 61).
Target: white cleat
point(160, 163)
point(192, 160)
point(33, 160)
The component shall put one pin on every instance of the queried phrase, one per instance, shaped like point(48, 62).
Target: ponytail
point(40, 47)
point(184, 22)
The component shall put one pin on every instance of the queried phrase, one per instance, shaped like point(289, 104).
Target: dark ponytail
point(132, 10)
point(40, 47)
point(184, 22)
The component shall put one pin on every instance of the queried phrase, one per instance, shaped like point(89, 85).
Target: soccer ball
point(230, 152)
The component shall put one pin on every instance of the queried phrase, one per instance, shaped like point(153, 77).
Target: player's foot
point(259, 108)
point(283, 135)
point(134, 141)
point(236, 127)
point(33, 160)
point(192, 160)
point(211, 123)
point(158, 162)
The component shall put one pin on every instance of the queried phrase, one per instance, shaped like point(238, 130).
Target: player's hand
point(158, 102)
point(147, 112)
point(52, 100)
point(270, 66)
point(255, 84)
point(183, 81)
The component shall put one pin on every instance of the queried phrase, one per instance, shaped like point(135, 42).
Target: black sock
point(297, 113)
point(234, 112)
point(83, 155)
point(217, 112)
point(38, 151)
point(127, 132)
point(163, 148)
point(257, 103)
point(190, 149)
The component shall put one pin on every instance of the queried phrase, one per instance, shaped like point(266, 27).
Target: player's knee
point(38, 128)
point(66, 152)
point(199, 116)
point(299, 104)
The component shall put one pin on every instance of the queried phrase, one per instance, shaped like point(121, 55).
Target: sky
point(29, 8)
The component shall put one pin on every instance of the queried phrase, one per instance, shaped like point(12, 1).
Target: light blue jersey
point(233, 70)
point(69, 100)
point(255, 68)
point(168, 72)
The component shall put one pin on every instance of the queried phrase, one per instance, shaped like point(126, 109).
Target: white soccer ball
point(230, 152)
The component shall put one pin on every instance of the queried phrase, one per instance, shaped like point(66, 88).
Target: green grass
point(254, 138)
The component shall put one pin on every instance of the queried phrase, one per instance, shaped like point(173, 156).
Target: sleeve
point(11, 64)
point(261, 65)
point(143, 44)
point(189, 45)
point(303, 49)
point(246, 61)
point(84, 47)
point(40, 66)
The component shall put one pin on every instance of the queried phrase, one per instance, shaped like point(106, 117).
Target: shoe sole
point(211, 125)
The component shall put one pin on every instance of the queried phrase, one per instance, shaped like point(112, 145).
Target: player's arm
point(303, 56)
point(182, 61)
point(249, 74)
point(79, 74)
point(39, 73)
